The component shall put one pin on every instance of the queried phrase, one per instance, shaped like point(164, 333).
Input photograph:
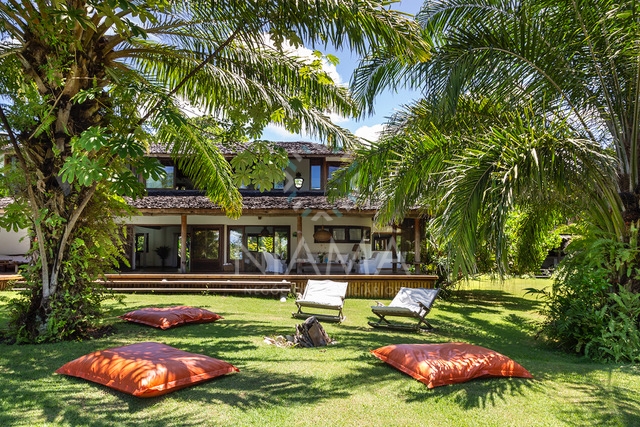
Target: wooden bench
point(247, 287)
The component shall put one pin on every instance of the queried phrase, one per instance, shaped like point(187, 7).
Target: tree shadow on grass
point(274, 377)
point(485, 299)
point(595, 398)
point(259, 386)
point(477, 393)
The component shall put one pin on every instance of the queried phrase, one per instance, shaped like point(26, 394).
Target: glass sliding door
point(281, 243)
point(206, 249)
point(247, 243)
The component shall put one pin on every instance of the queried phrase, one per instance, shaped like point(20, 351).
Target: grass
point(341, 385)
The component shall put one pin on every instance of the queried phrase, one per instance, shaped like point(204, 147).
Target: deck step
point(247, 287)
point(248, 291)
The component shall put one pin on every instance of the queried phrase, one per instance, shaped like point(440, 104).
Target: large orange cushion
point(146, 369)
point(168, 317)
point(448, 363)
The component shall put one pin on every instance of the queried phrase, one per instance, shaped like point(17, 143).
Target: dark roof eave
point(263, 204)
point(299, 148)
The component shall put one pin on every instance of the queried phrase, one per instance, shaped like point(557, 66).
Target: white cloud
point(306, 53)
point(369, 133)
point(337, 118)
point(280, 131)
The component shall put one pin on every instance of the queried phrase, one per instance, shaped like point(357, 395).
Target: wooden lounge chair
point(408, 302)
point(322, 294)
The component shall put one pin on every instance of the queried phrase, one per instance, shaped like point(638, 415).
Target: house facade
point(290, 229)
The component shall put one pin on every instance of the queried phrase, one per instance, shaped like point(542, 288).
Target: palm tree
point(528, 105)
point(90, 83)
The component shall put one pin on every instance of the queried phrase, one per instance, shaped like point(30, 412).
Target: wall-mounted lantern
point(298, 181)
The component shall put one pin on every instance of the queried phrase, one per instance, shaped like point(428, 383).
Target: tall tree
point(530, 106)
point(88, 83)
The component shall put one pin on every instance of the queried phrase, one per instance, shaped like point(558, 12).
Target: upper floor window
point(331, 168)
point(167, 182)
point(316, 177)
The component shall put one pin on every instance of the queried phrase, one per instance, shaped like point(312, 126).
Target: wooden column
point(416, 244)
point(131, 230)
point(394, 248)
point(183, 244)
point(300, 243)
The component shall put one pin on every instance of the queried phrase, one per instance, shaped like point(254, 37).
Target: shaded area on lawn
point(335, 385)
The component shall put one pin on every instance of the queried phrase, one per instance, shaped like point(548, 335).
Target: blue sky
point(386, 104)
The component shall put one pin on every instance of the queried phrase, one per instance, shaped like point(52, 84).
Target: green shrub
point(619, 338)
point(74, 310)
point(591, 308)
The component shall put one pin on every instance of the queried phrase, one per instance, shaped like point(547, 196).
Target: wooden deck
point(202, 283)
point(360, 286)
point(7, 281)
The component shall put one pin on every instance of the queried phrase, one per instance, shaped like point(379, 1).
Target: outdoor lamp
point(298, 181)
point(322, 235)
point(265, 232)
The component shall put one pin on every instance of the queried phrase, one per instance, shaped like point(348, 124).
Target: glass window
point(339, 234)
point(166, 182)
point(276, 242)
point(205, 244)
point(256, 242)
point(252, 243)
point(353, 234)
point(235, 243)
point(316, 177)
point(331, 169)
point(281, 243)
point(142, 242)
point(182, 181)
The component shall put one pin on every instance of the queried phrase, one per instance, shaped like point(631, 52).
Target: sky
point(386, 103)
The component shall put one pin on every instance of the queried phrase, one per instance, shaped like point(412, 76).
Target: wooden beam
point(417, 243)
point(300, 243)
point(394, 248)
point(183, 244)
point(247, 212)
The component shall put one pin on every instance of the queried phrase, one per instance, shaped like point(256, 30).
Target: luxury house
point(292, 229)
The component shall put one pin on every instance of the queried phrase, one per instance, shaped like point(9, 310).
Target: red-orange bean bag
point(168, 317)
point(146, 369)
point(448, 363)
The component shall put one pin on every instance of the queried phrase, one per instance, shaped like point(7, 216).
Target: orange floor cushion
point(448, 363)
point(146, 369)
point(168, 317)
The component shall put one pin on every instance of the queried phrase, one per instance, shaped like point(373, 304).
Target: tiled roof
point(250, 203)
point(5, 201)
point(293, 148)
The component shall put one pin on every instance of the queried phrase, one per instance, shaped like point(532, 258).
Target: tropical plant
point(528, 106)
point(87, 85)
point(163, 253)
point(592, 307)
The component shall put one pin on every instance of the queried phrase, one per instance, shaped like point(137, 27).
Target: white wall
point(12, 243)
point(156, 237)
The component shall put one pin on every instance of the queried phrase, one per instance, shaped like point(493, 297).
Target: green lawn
point(341, 385)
